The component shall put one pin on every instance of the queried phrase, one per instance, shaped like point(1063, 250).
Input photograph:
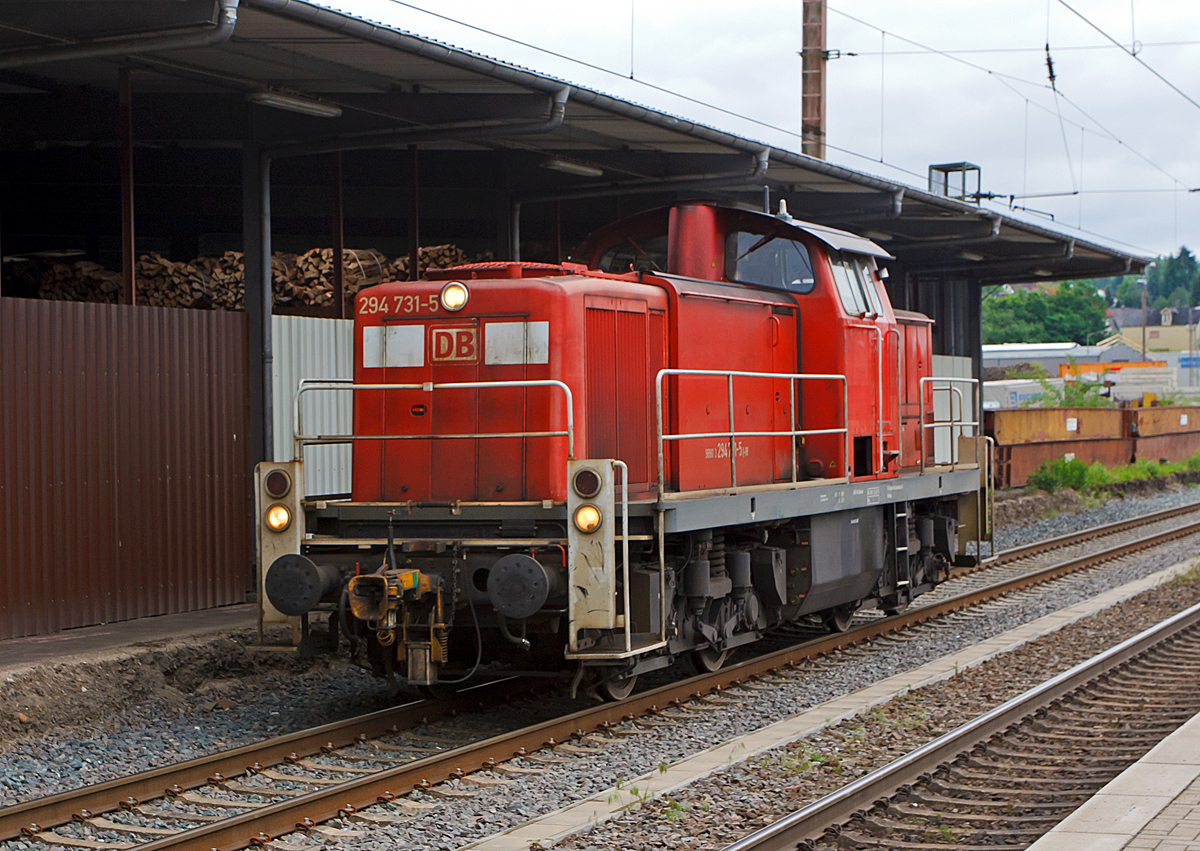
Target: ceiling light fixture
point(571, 167)
point(292, 103)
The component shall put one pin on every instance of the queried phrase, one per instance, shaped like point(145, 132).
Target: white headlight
point(587, 518)
point(454, 296)
point(278, 518)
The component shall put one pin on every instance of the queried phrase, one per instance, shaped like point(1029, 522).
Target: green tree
point(1178, 298)
point(1075, 312)
point(1170, 282)
point(1180, 273)
point(1129, 294)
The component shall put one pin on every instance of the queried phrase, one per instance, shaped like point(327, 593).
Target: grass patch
point(1076, 475)
point(1188, 577)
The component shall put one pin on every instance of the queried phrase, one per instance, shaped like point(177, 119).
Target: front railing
point(300, 439)
point(733, 434)
point(952, 423)
point(625, 557)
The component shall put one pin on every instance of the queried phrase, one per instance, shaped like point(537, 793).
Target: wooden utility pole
point(812, 80)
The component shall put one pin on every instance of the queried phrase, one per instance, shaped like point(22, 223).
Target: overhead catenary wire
point(882, 92)
point(1061, 125)
point(1004, 80)
point(1074, 192)
point(608, 71)
point(1131, 53)
point(973, 51)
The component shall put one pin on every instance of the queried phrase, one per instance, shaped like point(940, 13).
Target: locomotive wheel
point(894, 604)
point(706, 660)
point(617, 688)
point(838, 619)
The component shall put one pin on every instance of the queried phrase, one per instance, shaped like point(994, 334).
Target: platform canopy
point(205, 71)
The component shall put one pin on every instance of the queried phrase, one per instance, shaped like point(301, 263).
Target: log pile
point(81, 281)
point(218, 283)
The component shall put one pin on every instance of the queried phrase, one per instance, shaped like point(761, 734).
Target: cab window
point(635, 255)
point(848, 287)
point(768, 261)
point(867, 277)
point(855, 286)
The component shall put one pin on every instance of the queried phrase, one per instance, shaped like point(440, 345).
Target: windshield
point(768, 261)
point(633, 255)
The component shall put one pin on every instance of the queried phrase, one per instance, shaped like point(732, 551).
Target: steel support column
point(125, 146)
point(256, 246)
point(414, 216)
point(339, 239)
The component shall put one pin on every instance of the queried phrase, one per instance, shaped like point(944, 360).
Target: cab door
point(782, 328)
point(866, 344)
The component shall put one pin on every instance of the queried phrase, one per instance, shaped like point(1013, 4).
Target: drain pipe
point(632, 187)
point(993, 233)
point(206, 35)
point(435, 132)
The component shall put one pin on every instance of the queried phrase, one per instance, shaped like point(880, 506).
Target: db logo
point(456, 344)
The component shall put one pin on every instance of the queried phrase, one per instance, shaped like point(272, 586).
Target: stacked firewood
point(81, 281)
point(218, 283)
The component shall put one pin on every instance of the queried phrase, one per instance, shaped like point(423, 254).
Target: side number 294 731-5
point(398, 304)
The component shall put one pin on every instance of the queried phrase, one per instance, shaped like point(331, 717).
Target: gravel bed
point(170, 728)
point(742, 798)
point(210, 716)
point(1112, 510)
point(456, 823)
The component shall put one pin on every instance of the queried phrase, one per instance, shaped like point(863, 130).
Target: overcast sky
point(1117, 134)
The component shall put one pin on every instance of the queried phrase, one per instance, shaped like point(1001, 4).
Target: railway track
point(1009, 776)
point(252, 794)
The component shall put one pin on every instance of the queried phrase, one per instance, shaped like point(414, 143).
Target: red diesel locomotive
point(714, 425)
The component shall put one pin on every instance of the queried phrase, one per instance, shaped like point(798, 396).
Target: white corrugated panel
point(306, 347)
point(945, 438)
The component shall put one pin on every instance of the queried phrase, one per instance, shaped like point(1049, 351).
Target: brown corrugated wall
point(124, 470)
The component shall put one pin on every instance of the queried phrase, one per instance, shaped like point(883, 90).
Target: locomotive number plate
point(460, 345)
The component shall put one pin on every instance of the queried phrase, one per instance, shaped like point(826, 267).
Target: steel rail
point(810, 822)
point(283, 816)
point(105, 797)
point(326, 803)
point(1027, 550)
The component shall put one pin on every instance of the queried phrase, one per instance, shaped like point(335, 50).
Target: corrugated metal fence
point(304, 347)
point(124, 468)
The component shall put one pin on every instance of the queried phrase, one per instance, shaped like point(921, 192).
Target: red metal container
point(1039, 425)
point(1015, 463)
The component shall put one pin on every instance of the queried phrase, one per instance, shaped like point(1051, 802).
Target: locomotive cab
point(713, 426)
point(836, 318)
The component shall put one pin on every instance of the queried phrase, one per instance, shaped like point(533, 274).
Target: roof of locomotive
point(833, 238)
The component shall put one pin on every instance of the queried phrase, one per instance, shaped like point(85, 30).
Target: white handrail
point(898, 425)
point(625, 550)
point(300, 440)
point(732, 434)
point(989, 496)
point(952, 423)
